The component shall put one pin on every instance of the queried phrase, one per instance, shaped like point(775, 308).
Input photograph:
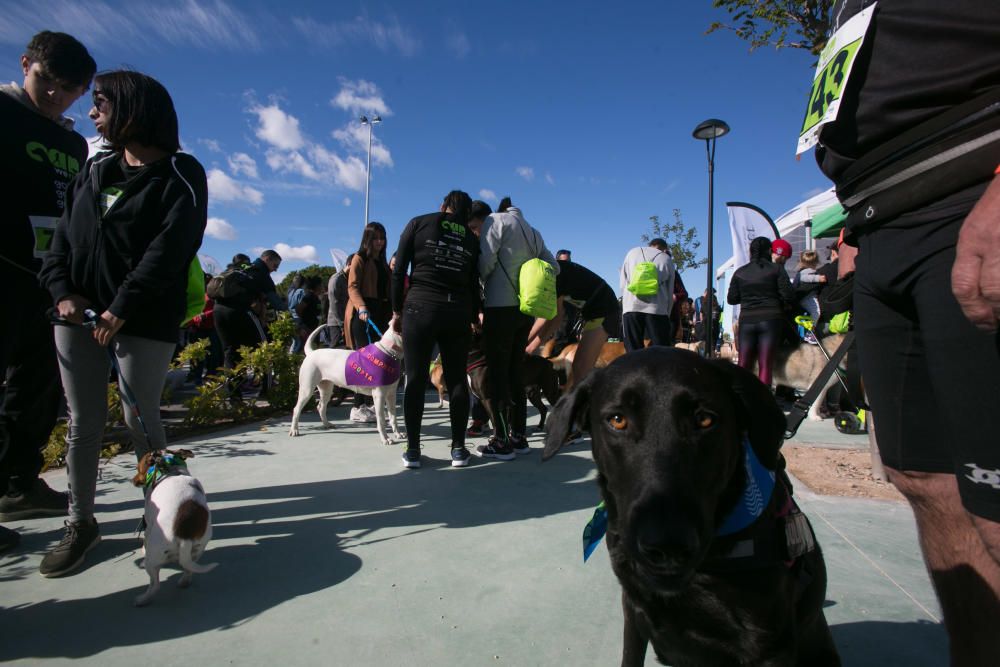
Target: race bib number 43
point(832, 72)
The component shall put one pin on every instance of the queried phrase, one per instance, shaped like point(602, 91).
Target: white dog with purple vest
point(373, 369)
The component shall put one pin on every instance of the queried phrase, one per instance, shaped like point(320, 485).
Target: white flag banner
point(339, 258)
point(747, 222)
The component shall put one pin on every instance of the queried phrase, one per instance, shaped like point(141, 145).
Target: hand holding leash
point(72, 309)
point(107, 325)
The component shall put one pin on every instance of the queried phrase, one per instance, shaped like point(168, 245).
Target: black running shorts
point(932, 378)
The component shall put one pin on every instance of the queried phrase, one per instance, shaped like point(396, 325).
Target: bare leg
point(587, 353)
point(960, 552)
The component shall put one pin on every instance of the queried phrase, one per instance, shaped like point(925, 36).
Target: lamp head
point(710, 129)
point(376, 119)
point(364, 120)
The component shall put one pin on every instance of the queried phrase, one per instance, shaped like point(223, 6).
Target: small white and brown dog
point(177, 518)
point(373, 369)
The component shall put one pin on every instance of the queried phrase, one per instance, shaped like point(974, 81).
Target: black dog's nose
point(665, 544)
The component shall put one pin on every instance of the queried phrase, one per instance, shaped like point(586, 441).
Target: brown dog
point(797, 367)
point(540, 380)
point(563, 361)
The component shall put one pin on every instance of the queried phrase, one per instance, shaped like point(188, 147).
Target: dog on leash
point(373, 370)
point(178, 521)
point(798, 366)
point(717, 564)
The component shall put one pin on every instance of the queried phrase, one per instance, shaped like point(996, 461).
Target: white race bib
point(834, 67)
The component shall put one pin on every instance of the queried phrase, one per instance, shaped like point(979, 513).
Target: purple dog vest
point(371, 367)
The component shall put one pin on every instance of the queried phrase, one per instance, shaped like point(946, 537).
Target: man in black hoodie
point(42, 154)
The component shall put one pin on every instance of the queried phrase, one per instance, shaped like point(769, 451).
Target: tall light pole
point(368, 172)
point(710, 130)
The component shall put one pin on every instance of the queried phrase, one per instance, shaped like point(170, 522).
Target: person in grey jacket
point(506, 242)
point(648, 316)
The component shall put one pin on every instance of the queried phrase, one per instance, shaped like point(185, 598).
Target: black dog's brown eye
point(704, 419)
point(618, 422)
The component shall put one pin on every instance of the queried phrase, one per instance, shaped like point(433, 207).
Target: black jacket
point(762, 290)
point(133, 260)
point(444, 256)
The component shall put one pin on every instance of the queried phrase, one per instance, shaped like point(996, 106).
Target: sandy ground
point(837, 472)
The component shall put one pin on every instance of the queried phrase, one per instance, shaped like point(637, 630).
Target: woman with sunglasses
point(133, 223)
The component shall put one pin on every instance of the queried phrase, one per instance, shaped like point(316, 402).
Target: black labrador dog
point(684, 449)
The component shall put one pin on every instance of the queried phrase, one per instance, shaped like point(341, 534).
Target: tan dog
point(798, 367)
point(564, 360)
point(178, 522)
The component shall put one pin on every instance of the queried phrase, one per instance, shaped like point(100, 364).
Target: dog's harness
point(476, 360)
point(764, 526)
point(163, 466)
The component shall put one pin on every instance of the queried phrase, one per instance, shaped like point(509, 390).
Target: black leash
point(801, 406)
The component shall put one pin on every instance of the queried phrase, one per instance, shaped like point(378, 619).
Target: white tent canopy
point(792, 227)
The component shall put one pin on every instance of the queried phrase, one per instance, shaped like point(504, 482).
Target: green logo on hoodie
point(58, 159)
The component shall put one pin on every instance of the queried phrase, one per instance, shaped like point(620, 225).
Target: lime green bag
point(645, 279)
point(195, 291)
point(537, 293)
point(841, 322)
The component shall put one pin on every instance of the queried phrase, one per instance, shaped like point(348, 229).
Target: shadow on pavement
point(879, 643)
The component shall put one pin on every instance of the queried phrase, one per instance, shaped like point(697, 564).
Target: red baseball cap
point(781, 247)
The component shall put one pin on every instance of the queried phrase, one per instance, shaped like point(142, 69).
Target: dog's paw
point(816, 417)
point(184, 581)
point(327, 425)
point(293, 431)
point(142, 600)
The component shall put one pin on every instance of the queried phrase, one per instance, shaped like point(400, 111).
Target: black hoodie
point(134, 259)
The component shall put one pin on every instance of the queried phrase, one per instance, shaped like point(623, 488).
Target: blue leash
point(372, 325)
point(128, 397)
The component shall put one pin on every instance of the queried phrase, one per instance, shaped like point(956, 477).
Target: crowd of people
point(106, 246)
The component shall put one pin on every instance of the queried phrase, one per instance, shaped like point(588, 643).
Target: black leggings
point(423, 326)
point(760, 340)
point(505, 335)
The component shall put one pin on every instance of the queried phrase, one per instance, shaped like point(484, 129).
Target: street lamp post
point(710, 130)
point(368, 172)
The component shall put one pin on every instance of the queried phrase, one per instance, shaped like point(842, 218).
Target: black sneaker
point(9, 538)
point(459, 457)
point(411, 458)
point(520, 445)
point(68, 555)
point(475, 429)
point(38, 501)
point(494, 449)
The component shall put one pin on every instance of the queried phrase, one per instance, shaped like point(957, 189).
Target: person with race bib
point(133, 223)
point(911, 139)
point(42, 154)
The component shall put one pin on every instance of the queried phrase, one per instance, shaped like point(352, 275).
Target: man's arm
point(975, 277)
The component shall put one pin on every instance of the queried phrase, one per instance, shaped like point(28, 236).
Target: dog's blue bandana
point(594, 530)
point(756, 493)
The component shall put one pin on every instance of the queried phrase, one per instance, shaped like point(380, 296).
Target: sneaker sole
point(75, 566)
point(33, 513)
point(411, 464)
point(498, 457)
point(522, 452)
point(460, 464)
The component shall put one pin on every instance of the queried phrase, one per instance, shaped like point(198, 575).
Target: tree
point(778, 23)
point(681, 239)
point(323, 272)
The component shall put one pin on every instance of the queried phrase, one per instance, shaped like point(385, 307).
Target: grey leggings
point(85, 366)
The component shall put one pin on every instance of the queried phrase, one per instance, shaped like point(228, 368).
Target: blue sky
point(581, 112)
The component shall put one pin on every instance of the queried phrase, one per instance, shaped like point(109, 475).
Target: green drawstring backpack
point(645, 279)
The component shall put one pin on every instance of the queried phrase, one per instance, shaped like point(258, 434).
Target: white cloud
point(360, 97)
point(549, 179)
point(220, 229)
point(278, 128)
point(210, 24)
point(211, 144)
point(458, 44)
point(347, 201)
point(224, 188)
point(305, 253)
point(488, 194)
point(348, 172)
point(292, 163)
point(241, 163)
point(384, 36)
point(527, 173)
point(355, 137)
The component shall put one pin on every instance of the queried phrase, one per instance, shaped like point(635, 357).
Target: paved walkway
point(331, 553)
